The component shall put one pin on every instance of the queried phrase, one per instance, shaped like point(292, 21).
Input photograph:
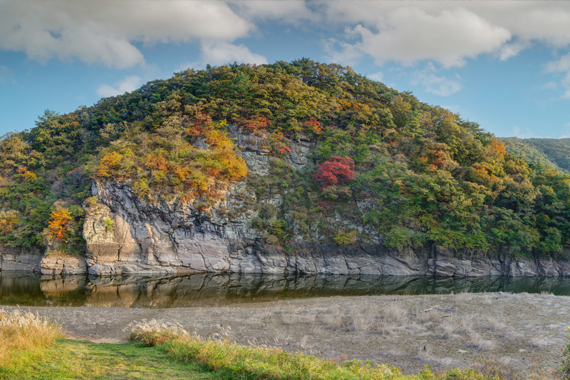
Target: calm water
point(222, 289)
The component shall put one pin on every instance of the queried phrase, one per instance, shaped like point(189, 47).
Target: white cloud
point(104, 32)
point(561, 65)
point(438, 85)
point(291, 12)
point(409, 35)
point(347, 54)
point(550, 86)
point(128, 84)
point(376, 76)
point(5, 73)
point(190, 65)
point(511, 50)
point(447, 25)
point(219, 53)
point(525, 133)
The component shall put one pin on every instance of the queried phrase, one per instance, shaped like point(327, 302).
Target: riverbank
point(523, 331)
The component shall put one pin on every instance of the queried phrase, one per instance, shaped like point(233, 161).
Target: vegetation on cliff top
point(426, 174)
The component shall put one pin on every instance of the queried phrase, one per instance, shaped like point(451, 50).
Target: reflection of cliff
point(220, 289)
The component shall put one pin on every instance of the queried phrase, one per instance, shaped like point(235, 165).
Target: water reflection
point(221, 289)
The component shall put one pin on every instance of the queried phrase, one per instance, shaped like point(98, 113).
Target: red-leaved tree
point(336, 170)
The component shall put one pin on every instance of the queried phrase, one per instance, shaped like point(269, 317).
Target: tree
point(59, 223)
point(336, 170)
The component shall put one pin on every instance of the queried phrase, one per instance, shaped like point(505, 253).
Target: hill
point(338, 158)
point(553, 152)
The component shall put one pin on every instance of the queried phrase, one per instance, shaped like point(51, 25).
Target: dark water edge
point(26, 289)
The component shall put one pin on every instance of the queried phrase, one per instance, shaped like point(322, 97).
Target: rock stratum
point(170, 238)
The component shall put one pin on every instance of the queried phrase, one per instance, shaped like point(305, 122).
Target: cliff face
point(126, 234)
point(170, 237)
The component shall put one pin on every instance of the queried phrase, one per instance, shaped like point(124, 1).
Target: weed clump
point(20, 330)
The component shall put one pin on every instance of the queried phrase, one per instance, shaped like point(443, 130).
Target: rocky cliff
point(127, 234)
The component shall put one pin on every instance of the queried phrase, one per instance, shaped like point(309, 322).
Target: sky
point(503, 64)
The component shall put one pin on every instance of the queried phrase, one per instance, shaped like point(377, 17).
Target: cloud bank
point(110, 33)
point(105, 32)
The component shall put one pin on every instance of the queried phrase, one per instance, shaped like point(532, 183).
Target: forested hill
point(426, 175)
point(554, 152)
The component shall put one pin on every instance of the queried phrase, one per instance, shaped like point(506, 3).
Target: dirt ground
point(523, 331)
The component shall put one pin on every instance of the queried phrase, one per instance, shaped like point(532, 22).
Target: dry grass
point(539, 342)
point(21, 330)
point(453, 326)
point(230, 360)
point(382, 328)
point(395, 313)
point(495, 325)
point(481, 344)
point(463, 298)
point(497, 368)
point(432, 316)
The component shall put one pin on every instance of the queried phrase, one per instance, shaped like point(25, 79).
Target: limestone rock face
point(11, 260)
point(66, 265)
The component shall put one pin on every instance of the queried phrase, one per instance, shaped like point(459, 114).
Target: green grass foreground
point(75, 359)
point(182, 358)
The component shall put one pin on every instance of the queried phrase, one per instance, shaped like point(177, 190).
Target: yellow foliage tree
point(28, 175)
point(8, 221)
point(59, 223)
point(110, 160)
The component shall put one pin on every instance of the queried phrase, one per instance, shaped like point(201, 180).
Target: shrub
point(109, 224)
point(8, 221)
point(399, 237)
point(25, 331)
point(345, 238)
point(336, 170)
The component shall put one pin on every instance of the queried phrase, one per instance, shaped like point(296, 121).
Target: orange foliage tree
point(27, 175)
point(313, 125)
point(255, 123)
point(59, 223)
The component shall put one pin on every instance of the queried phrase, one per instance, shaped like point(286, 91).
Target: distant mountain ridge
point(553, 152)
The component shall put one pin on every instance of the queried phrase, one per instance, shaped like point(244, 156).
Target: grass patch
point(74, 359)
point(21, 331)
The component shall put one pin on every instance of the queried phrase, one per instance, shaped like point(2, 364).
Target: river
point(26, 289)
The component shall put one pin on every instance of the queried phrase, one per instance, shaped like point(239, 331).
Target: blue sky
point(505, 65)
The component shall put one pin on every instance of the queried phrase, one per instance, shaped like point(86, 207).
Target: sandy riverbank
point(524, 331)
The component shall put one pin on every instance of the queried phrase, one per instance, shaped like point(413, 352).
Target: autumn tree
point(59, 223)
point(337, 170)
